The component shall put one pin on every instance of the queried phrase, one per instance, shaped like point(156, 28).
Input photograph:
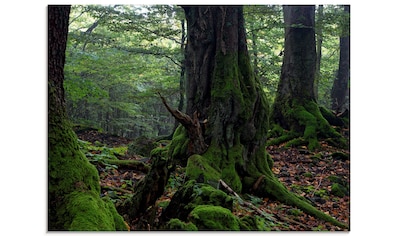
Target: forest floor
point(313, 175)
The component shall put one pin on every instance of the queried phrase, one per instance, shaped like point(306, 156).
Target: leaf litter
point(308, 174)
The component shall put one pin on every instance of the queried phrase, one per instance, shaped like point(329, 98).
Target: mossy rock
point(209, 217)
point(176, 224)
point(192, 194)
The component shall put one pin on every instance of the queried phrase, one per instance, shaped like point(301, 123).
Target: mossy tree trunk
point(295, 106)
point(227, 99)
point(74, 201)
point(339, 92)
point(223, 91)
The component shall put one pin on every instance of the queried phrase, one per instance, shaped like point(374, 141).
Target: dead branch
point(197, 143)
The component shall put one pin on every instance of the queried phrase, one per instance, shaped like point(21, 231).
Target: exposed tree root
point(270, 186)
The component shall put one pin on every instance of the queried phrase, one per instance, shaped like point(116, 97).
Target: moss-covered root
point(270, 186)
point(208, 217)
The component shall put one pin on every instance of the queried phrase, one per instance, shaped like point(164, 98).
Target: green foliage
point(117, 57)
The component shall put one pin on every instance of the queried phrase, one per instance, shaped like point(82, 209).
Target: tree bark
point(339, 92)
point(319, 42)
point(74, 201)
point(295, 106)
point(222, 89)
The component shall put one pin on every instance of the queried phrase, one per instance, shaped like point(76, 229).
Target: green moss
point(308, 175)
point(207, 195)
point(192, 194)
point(294, 212)
point(229, 172)
point(207, 217)
point(199, 169)
point(74, 190)
point(87, 212)
point(331, 118)
point(178, 146)
point(176, 224)
point(271, 187)
point(254, 223)
point(339, 190)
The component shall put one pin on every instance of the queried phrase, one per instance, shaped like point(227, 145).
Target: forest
point(231, 118)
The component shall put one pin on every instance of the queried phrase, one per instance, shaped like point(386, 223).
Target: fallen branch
point(245, 203)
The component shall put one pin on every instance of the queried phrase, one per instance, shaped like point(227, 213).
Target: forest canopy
point(119, 57)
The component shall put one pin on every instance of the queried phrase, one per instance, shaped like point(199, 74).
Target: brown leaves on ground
point(312, 176)
point(308, 174)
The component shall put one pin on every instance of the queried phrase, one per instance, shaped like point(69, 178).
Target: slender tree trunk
point(319, 41)
point(73, 202)
point(339, 92)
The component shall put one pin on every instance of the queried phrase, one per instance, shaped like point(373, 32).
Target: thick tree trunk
point(295, 106)
point(227, 99)
point(74, 190)
point(339, 92)
point(222, 89)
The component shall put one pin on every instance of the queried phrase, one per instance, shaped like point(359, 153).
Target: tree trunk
point(227, 99)
point(74, 190)
point(319, 41)
point(295, 106)
point(339, 92)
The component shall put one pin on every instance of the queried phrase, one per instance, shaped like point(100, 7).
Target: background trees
point(340, 90)
point(119, 56)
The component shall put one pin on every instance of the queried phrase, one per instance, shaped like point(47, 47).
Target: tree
point(319, 41)
point(339, 92)
point(295, 108)
point(74, 201)
point(130, 53)
point(223, 132)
